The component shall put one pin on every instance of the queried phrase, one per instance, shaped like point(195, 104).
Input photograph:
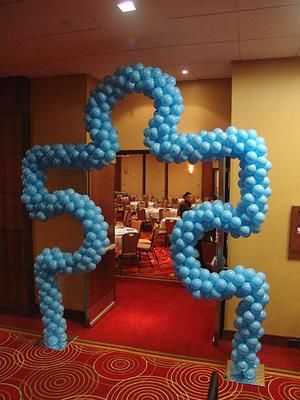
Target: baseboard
point(91, 323)
point(151, 279)
point(272, 340)
point(24, 312)
point(75, 314)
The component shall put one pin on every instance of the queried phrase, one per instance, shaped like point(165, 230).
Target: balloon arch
point(167, 145)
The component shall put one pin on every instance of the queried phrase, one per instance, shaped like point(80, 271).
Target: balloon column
point(167, 145)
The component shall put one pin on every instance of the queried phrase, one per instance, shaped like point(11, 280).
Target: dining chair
point(207, 253)
point(126, 219)
point(160, 213)
point(149, 247)
point(170, 224)
point(136, 224)
point(154, 225)
point(141, 215)
point(167, 213)
point(129, 249)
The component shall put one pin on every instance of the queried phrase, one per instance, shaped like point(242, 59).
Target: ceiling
point(59, 37)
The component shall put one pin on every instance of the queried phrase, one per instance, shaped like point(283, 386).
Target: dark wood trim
point(225, 245)
point(16, 258)
point(75, 315)
point(166, 179)
point(118, 170)
point(144, 174)
point(294, 240)
point(25, 312)
point(227, 183)
point(273, 340)
point(124, 152)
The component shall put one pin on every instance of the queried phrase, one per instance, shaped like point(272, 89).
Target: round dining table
point(154, 212)
point(136, 203)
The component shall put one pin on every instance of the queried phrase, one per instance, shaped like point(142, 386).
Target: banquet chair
point(207, 253)
point(136, 224)
point(129, 249)
point(152, 222)
point(125, 216)
point(169, 201)
point(141, 215)
point(149, 247)
point(154, 225)
point(170, 224)
point(162, 232)
point(167, 213)
point(164, 212)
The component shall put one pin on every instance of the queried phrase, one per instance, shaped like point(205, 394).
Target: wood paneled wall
point(100, 283)
point(16, 262)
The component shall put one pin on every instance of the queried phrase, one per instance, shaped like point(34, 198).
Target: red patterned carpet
point(160, 316)
point(162, 270)
point(94, 371)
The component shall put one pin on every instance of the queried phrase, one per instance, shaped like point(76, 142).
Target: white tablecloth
point(119, 232)
point(135, 204)
point(154, 212)
point(163, 222)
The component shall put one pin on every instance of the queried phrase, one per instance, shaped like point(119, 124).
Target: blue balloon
point(163, 142)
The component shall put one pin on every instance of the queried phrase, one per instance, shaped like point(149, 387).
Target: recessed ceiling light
point(184, 71)
point(126, 6)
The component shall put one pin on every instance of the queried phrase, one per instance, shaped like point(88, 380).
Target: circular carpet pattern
point(87, 371)
point(59, 382)
point(195, 381)
point(147, 388)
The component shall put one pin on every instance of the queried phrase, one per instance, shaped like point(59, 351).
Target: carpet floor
point(152, 269)
point(160, 316)
point(96, 371)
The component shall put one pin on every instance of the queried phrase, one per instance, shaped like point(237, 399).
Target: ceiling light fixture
point(184, 71)
point(126, 6)
point(191, 169)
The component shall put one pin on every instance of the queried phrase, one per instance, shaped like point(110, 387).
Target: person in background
point(186, 204)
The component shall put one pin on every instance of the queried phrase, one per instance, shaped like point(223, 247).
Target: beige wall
point(57, 117)
point(155, 177)
point(207, 106)
point(181, 181)
point(266, 96)
point(132, 174)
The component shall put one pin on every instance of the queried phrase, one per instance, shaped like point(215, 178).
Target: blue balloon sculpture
point(167, 145)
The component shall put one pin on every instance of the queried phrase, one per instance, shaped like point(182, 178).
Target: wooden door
point(16, 263)
point(100, 284)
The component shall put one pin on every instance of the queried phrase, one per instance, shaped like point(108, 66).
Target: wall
point(207, 106)
point(181, 181)
point(57, 117)
point(266, 96)
point(155, 177)
point(132, 174)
